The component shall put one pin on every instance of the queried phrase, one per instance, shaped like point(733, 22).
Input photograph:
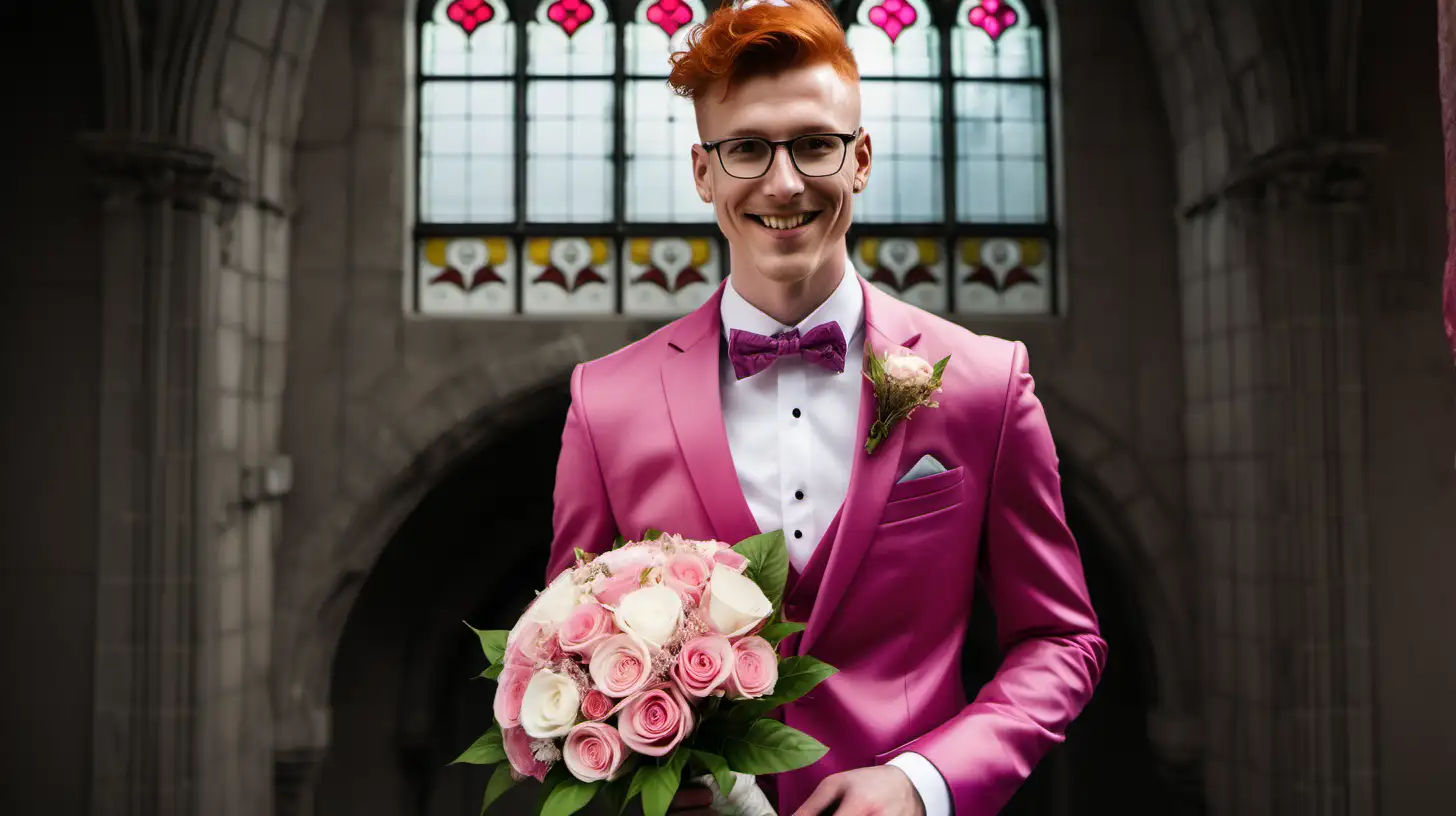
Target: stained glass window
point(659, 124)
point(554, 171)
point(982, 106)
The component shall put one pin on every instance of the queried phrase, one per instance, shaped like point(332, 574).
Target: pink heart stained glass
point(893, 16)
point(993, 17)
point(569, 14)
point(470, 14)
point(669, 15)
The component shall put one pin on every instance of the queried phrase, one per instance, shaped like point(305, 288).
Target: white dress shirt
point(791, 430)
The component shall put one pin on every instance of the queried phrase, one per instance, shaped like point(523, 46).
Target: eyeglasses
point(813, 154)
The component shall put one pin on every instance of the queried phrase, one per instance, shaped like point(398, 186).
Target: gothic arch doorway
point(403, 704)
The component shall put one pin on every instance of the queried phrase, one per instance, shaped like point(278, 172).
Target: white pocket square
point(927, 466)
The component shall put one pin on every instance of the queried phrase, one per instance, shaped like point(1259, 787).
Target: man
point(697, 431)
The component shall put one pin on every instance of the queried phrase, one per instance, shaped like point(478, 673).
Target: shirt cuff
point(928, 782)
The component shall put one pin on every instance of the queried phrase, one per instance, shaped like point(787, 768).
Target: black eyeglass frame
point(788, 145)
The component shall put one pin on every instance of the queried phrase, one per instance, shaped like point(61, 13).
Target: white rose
point(901, 364)
point(551, 606)
point(550, 705)
point(650, 614)
point(735, 603)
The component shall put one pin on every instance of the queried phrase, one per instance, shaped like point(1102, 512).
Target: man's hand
point(691, 799)
point(880, 791)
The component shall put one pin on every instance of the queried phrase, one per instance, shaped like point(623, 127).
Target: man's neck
point(789, 303)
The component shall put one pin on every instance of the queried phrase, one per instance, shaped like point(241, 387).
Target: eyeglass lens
point(813, 155)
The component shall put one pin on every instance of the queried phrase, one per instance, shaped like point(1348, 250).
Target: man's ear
point(701, 173)
point(863, 155)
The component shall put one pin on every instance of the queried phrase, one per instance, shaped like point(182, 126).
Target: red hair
point(736, 44)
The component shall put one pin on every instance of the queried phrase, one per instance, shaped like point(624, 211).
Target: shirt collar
point(845, 306)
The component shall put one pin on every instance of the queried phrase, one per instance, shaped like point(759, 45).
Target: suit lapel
point(695, 405)
point(887, 323)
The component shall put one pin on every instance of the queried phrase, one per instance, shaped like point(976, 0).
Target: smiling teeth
point(784, 222)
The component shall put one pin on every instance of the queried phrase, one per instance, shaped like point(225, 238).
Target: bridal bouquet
point(648, 663)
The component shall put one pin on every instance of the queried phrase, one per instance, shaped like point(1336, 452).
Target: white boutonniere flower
point(903, 382)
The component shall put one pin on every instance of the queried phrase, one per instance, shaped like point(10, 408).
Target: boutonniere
point(903, 382)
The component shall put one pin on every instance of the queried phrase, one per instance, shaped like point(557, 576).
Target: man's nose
point(782, 179)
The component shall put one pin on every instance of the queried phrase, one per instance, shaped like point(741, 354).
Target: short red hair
point(736, 44)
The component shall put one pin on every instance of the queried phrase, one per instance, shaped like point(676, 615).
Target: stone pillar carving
point(162, 209)
point(1304, 652)
point(1447, 27)
point(294, 774)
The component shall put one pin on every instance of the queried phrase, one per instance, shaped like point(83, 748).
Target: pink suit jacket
point(644, 446)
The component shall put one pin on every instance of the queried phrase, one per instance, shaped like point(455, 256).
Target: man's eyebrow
point(738, 133)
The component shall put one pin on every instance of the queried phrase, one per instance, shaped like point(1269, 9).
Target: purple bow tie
point(751, 353)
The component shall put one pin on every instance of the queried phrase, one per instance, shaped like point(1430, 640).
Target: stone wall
point(379, 402)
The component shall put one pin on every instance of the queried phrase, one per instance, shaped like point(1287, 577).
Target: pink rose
point(518, 753)
point(703, 665)
point(621, 666)
point(534, 646)
point(585, 628)
point(509, 691)
point(654, 722)
point(755, 669)
point(594, 751)
point(730, 559)
point(902, 364)
point(631, 559)
point(596, 706)
point(609, 590)
point(687, 572)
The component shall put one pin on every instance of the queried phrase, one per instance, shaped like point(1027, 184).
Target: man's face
point(754, 213)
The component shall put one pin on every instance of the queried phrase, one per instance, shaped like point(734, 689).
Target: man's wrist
point(925, 778)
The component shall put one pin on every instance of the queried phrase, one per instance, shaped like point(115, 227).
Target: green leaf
point(768, 563)
point(492, 642)
point(487, 750)
point(554, 777)
point(617, 544)
point(939, 369)
point(569, 796)
point(661, 783)
point(771, 747)
point(876, 367)
point(493, 671)
point(652, 534)
point(718, 767)
point(635, 787)
point(616, 793)
point(500, 782)
point(798, 676)
point(776, 632)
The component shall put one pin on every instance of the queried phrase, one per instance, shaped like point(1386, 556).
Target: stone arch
point(413, 448)
point(1112, 491)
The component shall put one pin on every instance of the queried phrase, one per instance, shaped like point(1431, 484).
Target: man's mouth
point(785, 222)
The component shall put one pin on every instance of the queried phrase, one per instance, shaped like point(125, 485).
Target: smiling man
point(751, 414)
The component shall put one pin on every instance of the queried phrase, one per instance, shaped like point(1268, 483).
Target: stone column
point(1298, 632)
point(294, 774)
point(163, 207)
point(1447, 16)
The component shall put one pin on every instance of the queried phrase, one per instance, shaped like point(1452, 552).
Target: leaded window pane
point(468, 38)
point(569, 150)
point(467, 156)
point(570, 38)
point(906, 180)
point(660, 133)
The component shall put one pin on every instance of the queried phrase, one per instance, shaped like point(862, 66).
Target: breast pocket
point(923, 496)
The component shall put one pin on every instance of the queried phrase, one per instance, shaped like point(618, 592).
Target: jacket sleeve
point(1048, 634)
point(581, 513)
